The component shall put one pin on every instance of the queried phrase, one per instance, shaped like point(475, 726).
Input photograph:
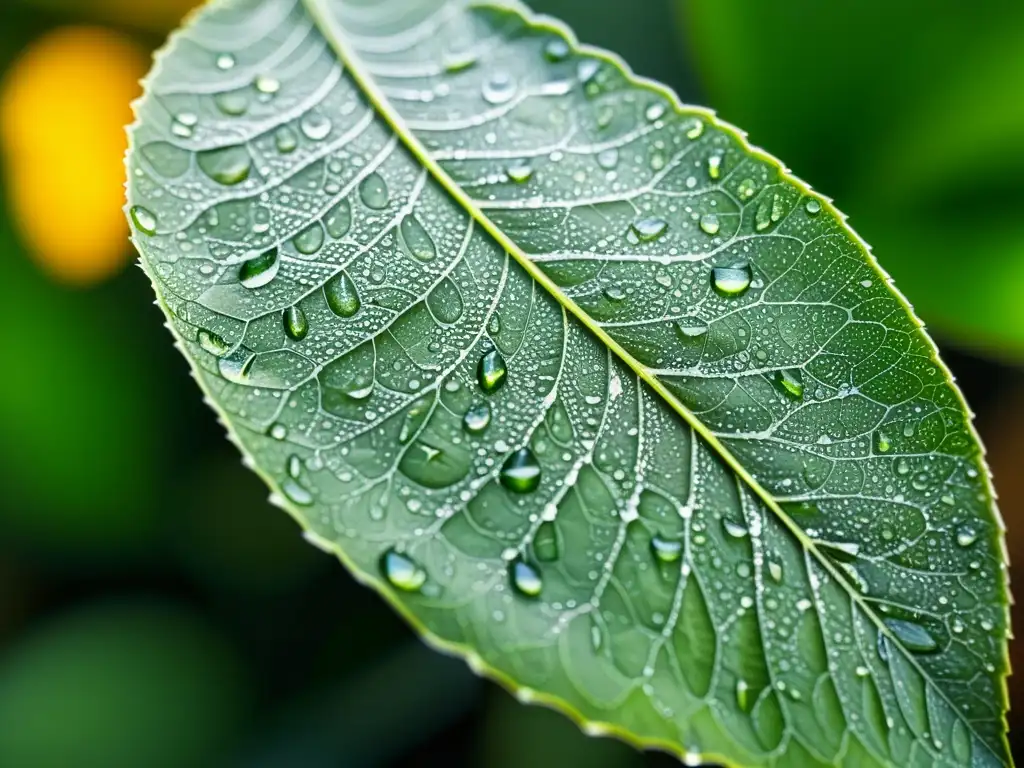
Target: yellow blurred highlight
point(63, 108)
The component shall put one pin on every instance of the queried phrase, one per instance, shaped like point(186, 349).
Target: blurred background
point(156, 611)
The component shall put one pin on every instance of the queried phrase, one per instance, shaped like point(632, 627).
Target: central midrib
point(336, 36)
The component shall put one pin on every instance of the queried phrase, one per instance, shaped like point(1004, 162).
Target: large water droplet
point(690, 330)
point(709, 223)
point(143, 220)
point(374, 193)
point(521, 473)
point(734, 529)
point(339, 220)
point(813, 207)
point(477, 418)
point(259, 271)
point(608, 158)
point(315, 126)
point(499, 89)
point(417, 239)
point(526, 578)
point(225, 61)
point(236, 368)
point(556, 50)
point(402, 572)
point(966, 535)
point(648, 228)
point(212, 343)
point(520, 172)
point(545, 542)
point(912, 636)
point(310, 240)
point(791, 381)
point(232, 103)
point(296, 494)
point(267, 85)
point(286, 140)
point(445, 302)
point(342, 295)
point(492, 371)
point(732, 281)
point(295, 323)
point(666, 550)
point(227, 166)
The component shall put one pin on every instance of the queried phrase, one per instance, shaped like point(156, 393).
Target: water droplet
point(212, 343)
point(417, 240)
point(402, 572)
point(734, 529)
point(267, 85)
point(491, 371)
point(143, 220)
point(715, 166)
point(286, 140)
point(648, 228)
point(526, 578)
point(775, 571)
point(746, 189)
point(709, 223)
point(520, 173)
point(232, 103)
point(883, 443)
point(614, 293)
point(494, 324)
point(732, 281)
point(310, 240)
point(477, 418)
point(666, 550)
point(259, 271)
point(459, 61)
point(315, 126)
point(521, 472)
point(296, 494)
point(342, 295)
point(690, 330)
point(608, 158)
point(374, 193)
point(545, 543)
point(236, 368)
point(655, 112)
point(556, 50)
point(413, 422)
point(965, 536)
point(743, 697)
point(499, 89)
point(339, 221)
point(225, 61)
point(696, 130)
point(912, 636)
point(295, 323)
point(445, 302)
point(227, 166)
point(813, 207)
point(763, 217)
point(791, 381)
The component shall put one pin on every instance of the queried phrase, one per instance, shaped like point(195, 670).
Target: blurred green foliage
point(910, 116)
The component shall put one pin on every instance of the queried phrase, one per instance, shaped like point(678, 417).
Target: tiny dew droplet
point(556, 49)
point(520, 173)
point(267, 85)
point(143, 220)
point(608, 158)
point(775, 571)
point(499, 89)
point(212, 343)
point(259, 271)
point(402, 572)
point(666, 550)
point(732, 281)
point(526, 578)
point(477, 418)
point(965, 536)
point(491, 371)
point(655, 111)
point(545, 542)
point(709, 223)
point(813, 207)
point(225, 61)
point(791, 381)
point(342, 296)
point(521, 473)
point(911, 636)
point(315, 126)
point(746, 189)
point(295, 323)
point(374, 193)
point(648, 228)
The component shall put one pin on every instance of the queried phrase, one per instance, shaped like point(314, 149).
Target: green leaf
point(593, 392)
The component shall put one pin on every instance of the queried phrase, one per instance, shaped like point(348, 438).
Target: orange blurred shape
point(63, 108)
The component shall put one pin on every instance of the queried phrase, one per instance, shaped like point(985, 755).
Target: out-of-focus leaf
point(154, 15)
point(118, 686)
point(910, 120)
point(63, 106)
point(599, 397)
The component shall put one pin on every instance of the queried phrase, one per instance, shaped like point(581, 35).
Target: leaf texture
point(594, 393)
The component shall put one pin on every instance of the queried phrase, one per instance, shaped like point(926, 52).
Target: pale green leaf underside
point(762, 530)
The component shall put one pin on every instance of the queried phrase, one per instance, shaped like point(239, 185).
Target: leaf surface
point(594, 393)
